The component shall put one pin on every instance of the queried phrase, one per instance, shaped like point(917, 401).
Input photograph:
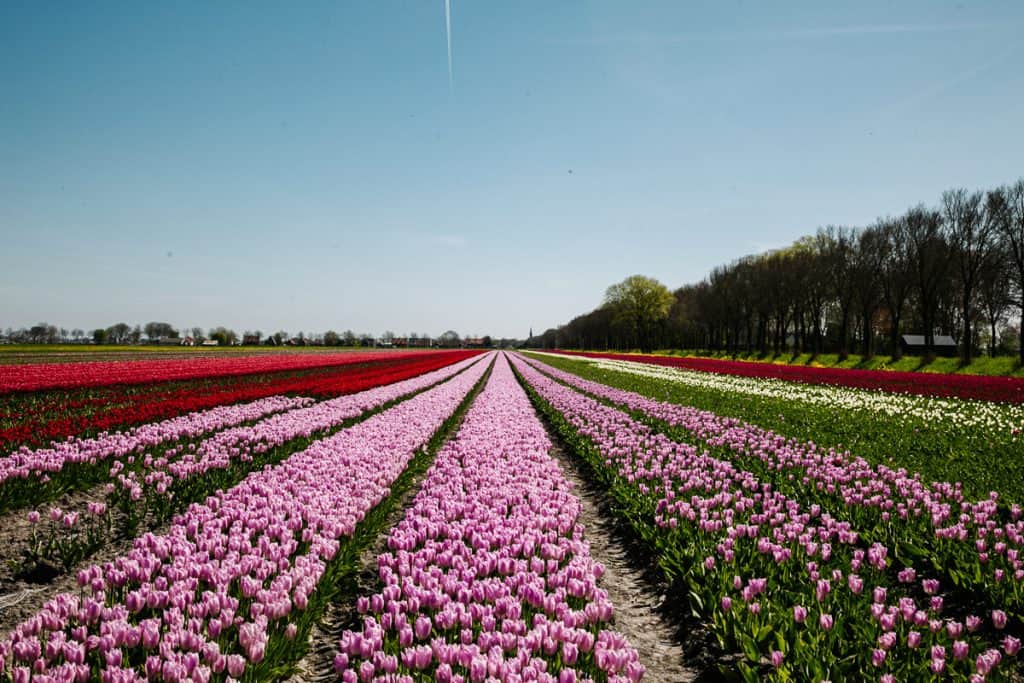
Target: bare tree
point(897, 277)
point(971, 240)
point(994, 293)
point(449, 339)
point(156, 330)
point(930, 260)
point(840, 250)
point(1006, 204)
point(119, 333)
point(867, 282)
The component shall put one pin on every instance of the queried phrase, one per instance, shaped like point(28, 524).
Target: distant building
point(210, 342)
point(913, 344)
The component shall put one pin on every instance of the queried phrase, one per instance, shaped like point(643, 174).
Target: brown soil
point(21, 597)
point(642, 611)
point(15, 536)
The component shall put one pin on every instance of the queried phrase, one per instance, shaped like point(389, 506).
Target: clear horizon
point(262, 167)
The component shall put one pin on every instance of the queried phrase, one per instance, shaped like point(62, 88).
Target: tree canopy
point(641, 302)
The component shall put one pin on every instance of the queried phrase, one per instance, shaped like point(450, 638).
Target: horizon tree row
point(164, 333)
point(956, 269)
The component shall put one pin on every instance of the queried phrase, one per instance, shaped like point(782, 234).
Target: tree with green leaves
point(641, 303)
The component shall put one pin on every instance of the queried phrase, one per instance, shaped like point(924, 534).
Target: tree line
point(162, 332)
point(955, 269)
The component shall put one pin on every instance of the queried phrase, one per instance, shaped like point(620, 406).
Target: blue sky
point(309, 166)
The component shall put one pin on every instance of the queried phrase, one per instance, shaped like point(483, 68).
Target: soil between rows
point(21, 598)
point(642, 612)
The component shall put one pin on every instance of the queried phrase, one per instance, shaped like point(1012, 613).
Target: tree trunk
point(817, 332)
point(1020, 339)
point(968, 340)
point(895, 318)
point(844, 333)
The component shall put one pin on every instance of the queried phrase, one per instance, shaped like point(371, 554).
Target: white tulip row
point(995, 418)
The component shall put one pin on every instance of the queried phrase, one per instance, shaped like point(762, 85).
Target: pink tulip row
point(226, 447)
point(974, 536)
point(761, 564)
point(232, 576)
point(299, 416)
point(488, 575)
point(147, 486)
point(42, 462)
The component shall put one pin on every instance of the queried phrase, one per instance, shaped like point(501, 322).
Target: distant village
point(163, 334)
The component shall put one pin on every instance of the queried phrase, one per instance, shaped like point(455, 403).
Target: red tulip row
point(1006, 389)
point(56, 415)
point(37, 376)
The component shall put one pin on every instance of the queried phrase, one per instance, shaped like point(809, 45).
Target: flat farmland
point(478, 515)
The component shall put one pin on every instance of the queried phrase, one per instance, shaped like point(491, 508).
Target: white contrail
point(448, 30)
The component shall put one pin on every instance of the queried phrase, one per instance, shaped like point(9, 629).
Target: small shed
point(913, 344)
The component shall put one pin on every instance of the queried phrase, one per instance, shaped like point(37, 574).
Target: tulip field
point(814, 559)
point(199, 520)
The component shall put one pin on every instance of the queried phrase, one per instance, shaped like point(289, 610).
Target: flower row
point(36, 376)
point(797, 591)
point(488, 576)
point(985, 416)
point(41, 463)
point(290, 417)
point(154, 485)
point(1006, 389)
point(36, 418)
point(976, 545)
point(226, 587)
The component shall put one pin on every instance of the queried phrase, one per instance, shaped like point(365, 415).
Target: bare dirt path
point(641, 613)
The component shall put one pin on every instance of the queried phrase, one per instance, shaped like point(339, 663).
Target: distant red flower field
point(170, 388)
point(36, 376)
point(978, 387)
